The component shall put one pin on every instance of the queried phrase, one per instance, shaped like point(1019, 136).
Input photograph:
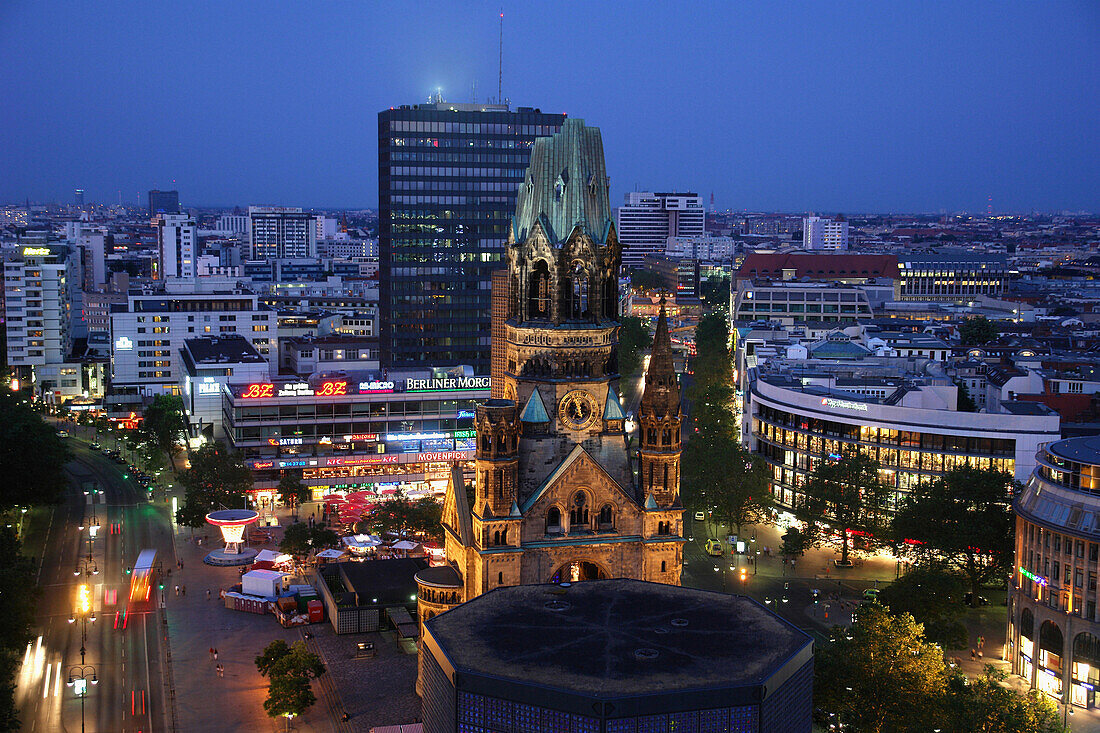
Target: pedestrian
point(181, 564)
point(980, 654)
point(211, 652)
point(215, 654)
point(183, 590)
point(221, 670)
point(981, 643)
point(177, 590)
point(208, 594)
point(973, 654)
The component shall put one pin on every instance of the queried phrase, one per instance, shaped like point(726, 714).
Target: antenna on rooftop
point(500, 60)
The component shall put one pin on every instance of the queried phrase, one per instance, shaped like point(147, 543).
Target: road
point(124, 642)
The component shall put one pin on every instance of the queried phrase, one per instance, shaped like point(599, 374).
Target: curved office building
point(1053, 630)
point(909, 424)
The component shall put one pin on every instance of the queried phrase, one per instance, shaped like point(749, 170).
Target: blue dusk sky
point(793, 106)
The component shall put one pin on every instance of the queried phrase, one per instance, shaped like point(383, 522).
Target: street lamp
point(87, 566)
point(79, 679)
point(85, 613)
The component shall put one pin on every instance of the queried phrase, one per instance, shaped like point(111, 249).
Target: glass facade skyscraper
point(448, 175)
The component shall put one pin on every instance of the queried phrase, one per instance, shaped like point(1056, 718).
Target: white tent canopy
point(272, 556)
point(330, 554)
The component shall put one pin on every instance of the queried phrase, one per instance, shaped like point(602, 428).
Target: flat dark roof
point(222, 349)
point(1081, 450)
point(617, 638)
point(392, 582)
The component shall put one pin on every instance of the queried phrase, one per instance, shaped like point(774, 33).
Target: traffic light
point(161, 586)
point(744, 575)
point(129, 570)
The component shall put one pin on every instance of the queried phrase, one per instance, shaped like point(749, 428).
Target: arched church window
point(538, 292)
point(606, 517)
point(553, 520)
point(578, 513)
point(578, 301)
point(666, 437)
point(662, 566)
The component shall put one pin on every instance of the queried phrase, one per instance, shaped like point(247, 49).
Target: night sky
point(790, 106)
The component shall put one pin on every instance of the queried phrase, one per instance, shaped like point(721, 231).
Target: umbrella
point(334, 497)
point(330, 554)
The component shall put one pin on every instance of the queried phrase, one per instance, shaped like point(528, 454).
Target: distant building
point(236, 223)
point(148, 331)
point(616, 656)
point(167, 202)
point(825, 233)
point(846, 268)
point(78, 198)
point(646, 221)
point(678, 275)
point(704, 248)
point(791, 301)
point(951, 275)
point(278, 232)
point(447, 181)
point(347, 247)
point(177, 245)
point(207, 365)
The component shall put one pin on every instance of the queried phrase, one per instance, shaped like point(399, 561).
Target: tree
point(292, 491)
point(634, 337)
point(964, 517)
point(289, 670)
point(398, 515)
point(881, 675)
point(726, 479)
point(164, 425)
point(976, 331)
point(985, 704)
point(645, 279)
point(18, 596)
point(712, 364)
point(850, 492)
point(299, 538)
point(715, 292)
point(933, 595)
point(966, 402)
point(796, 541)
point(217, 479)
point(32, 457)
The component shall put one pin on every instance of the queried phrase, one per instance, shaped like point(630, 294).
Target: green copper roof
point(566, 185)
point(613, 410)
point(534, 410)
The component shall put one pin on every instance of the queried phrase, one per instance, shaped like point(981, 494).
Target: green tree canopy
point(401, 516)
point(849, 492)
point(723, 477)
point(217, 479)
point(289, 670)
point(933, 595)
point(881, 676)
point(977, 330)
point(165, 426)
point(299, 538)
point(634, 339)
point(985, 705)
point(642, 279)
point(715, 292)
point(31, 455)
point(712, 363)
point(292, 491)
point(964, 517)
point(18, 596)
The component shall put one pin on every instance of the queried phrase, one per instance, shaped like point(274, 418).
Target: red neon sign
point(254, 391)
point(332, 389)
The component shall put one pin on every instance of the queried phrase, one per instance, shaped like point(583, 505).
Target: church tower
point(659, 420)
point(555, 496)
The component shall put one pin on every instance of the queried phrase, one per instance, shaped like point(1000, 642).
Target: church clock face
point(577, 409)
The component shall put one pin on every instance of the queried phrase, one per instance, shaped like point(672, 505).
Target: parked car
point(700, 517)
point(870, 594)
point(62, 433)
point(95, 446)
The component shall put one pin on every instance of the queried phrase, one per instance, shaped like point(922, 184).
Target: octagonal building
point(614, 656)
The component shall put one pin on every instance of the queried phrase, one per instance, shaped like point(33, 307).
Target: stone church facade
point(560, 495)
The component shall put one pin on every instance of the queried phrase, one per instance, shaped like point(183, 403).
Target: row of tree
point(32, 458)
point(883, 675)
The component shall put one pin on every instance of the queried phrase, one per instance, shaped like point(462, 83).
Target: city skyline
point(864, 108)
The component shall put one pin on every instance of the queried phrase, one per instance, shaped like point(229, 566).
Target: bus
point(141, 583)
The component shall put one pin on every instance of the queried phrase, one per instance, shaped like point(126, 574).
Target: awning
point(330, 554)
point(273, 557)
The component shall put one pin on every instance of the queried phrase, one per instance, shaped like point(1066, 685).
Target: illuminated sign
point(462, 414)
point(254, 391)
point(360, 437)
point(465, 433)
point(399, 437)
point(362, 460)
point(448, 383)
point(36, 252)
point(451, 455)
point(376, 387)
point(263, 464)
point(208, 386)
point(122, 343)
point(284, 441)
point(298, 389)
point(843, 404)
point(332, 389)
point(1033, 577)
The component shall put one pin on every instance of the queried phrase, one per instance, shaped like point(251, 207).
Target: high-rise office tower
point(448, 175)
point(39, 287)
point(164, 201)
point(647, 220)
point(78, 198)
point(820, 232)
point(176, 241)
point(278, 232)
